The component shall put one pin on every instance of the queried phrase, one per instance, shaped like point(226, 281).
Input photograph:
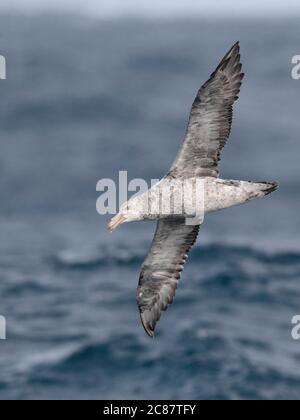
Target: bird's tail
point(267, 187)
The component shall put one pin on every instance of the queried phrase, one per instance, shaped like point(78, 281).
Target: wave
point(101, 367)
point(72, 259)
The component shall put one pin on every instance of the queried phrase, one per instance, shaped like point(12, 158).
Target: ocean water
point(85, 99)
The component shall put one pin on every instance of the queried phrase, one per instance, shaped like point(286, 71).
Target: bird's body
point(196, 196)
point(191, 189)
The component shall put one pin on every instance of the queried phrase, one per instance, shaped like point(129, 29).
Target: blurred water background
point(85, 98)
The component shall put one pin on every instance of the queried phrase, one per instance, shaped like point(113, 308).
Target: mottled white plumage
point(196, 163)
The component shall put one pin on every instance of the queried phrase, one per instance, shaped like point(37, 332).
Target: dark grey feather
point(208, 129)
point(161, 269)
point(210, 120)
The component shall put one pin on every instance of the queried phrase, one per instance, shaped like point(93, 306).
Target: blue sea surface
point(85, 99)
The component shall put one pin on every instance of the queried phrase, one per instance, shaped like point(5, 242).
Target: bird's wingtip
point(149, 329)
point(235, 47)
point(232, 55)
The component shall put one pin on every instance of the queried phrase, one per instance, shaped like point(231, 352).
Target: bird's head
point(129, 212)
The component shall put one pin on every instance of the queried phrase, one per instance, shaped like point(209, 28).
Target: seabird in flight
point(197, 162)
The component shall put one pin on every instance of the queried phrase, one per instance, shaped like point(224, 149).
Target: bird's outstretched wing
point(210, 120)
point(161, 269)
